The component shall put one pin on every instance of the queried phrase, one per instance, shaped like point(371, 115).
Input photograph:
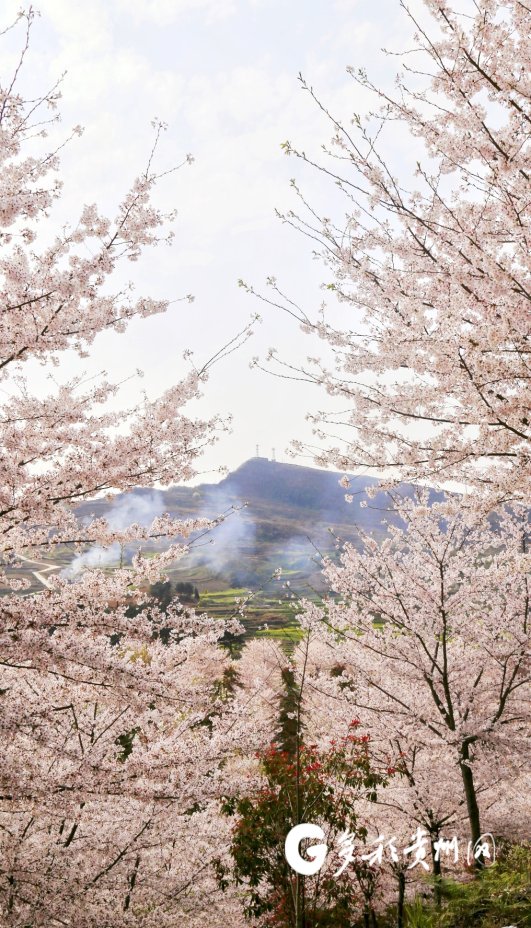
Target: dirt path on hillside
point(39, 574)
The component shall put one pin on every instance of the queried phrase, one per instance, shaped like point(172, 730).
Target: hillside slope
point(284, 514)
point(279, 515)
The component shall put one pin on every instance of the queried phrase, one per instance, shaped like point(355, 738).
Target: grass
point(500, 896)
point(291, 633)
point(221, 596)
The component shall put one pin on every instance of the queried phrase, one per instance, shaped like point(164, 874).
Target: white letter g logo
point(317, 852)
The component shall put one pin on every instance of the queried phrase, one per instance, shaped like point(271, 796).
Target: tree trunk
point(437, 871)
point(299, 913)
point(401, 897)
point(471, 799)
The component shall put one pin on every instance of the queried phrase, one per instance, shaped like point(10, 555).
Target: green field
point(260, 609)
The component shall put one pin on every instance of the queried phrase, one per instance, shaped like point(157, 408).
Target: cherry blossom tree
point(430, 629)
point(110, 807)
point(431, 366)
point(422, 791)
point(111, 740)
point(432, 261)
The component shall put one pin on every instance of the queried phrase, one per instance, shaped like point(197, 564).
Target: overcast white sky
point(223, 75)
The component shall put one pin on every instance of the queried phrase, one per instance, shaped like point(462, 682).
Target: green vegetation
point(499, 896)
point(287, 633)
point(261, 608)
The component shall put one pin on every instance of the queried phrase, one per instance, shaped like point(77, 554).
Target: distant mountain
point(285, 514)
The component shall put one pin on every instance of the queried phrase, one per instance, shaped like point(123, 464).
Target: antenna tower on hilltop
point(273, 458)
